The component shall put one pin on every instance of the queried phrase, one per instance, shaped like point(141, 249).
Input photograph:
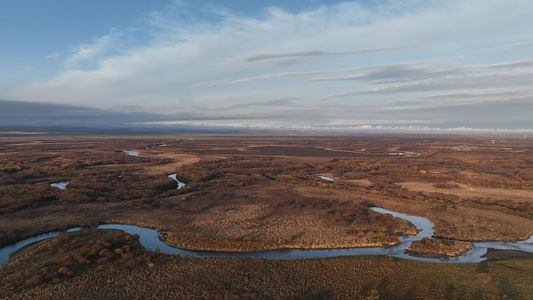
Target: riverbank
point(122, 269)
point(421, 245)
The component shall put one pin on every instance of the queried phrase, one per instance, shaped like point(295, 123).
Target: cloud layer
point(450, 64)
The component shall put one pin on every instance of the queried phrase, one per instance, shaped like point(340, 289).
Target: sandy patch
point(180, 158)
point(361, 182)
point(469, 191)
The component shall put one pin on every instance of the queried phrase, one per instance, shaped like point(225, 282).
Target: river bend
point(149, 239)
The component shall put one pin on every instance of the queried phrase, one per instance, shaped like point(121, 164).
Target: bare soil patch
point(470, 191)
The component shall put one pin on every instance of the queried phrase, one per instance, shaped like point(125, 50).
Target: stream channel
point(149, 239)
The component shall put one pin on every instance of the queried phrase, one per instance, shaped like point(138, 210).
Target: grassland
point(249, 193)
point(111, 265)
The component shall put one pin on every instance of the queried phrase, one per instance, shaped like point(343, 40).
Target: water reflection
point(61, 185)
point(180, 184)
point(132, 153)
point(149, 238)
point(326, 178)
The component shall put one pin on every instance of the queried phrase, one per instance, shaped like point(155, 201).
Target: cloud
point(521, 44)
point(99, 46)
point(391, 73)
point(413, 118)
point(268, 56)
point(234, 81)
point(513, 64)
point(407, 80)
point(53, 55)
point(463, 98)
point(285, 102)
point(410, 71)
point(290, 55)
point(426, 130)
point(199, 125)
point(378, 74)
point(281, 65)
point(254, 78)
point(359, 122)
point(17, 113)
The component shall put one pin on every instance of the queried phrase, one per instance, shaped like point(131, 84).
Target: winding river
point(149, 238)
point(181, 185)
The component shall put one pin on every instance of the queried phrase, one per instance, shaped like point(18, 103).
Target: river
point(181, 185)
point(149, 239)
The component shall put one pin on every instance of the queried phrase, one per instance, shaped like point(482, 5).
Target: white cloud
point(98, 47)
point(466, 82)
point(426, 129)
point(340, 52)
point(268, 56)
point(347, 129)
point(457, 99)
point(521, 44)
point(53, 55)
point(359, 122)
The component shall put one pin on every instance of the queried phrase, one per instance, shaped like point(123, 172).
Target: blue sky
point(385, 65)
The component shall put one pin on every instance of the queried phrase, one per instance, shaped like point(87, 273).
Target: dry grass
point(471, 191)
point(361, 182)
point(249, 194)
point(156, 276)
point(271, 216)
point(440, 247)
point(460, 223)
point(179, 158)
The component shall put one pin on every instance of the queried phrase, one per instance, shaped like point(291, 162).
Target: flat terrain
point(108, 265)
point(263, 192)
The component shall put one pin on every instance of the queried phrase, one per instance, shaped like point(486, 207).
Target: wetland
point(150, 240)
point(267, 202)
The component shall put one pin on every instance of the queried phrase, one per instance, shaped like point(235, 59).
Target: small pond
point(61, 185)
point(132, 153)
point(326, 178)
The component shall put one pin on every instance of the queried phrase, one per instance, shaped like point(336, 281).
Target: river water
point(132, 153)
point(181, 185)
point(60, 185)
point(149, 238)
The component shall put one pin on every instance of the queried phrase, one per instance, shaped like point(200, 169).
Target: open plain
point(256, 192)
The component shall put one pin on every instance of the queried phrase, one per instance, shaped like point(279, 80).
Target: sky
point(381, 65)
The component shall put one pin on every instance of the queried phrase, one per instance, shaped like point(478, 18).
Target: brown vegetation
point(249, 193)
point(439, 246)
point(57, 260)
point(73, 265)
point(264, 196)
